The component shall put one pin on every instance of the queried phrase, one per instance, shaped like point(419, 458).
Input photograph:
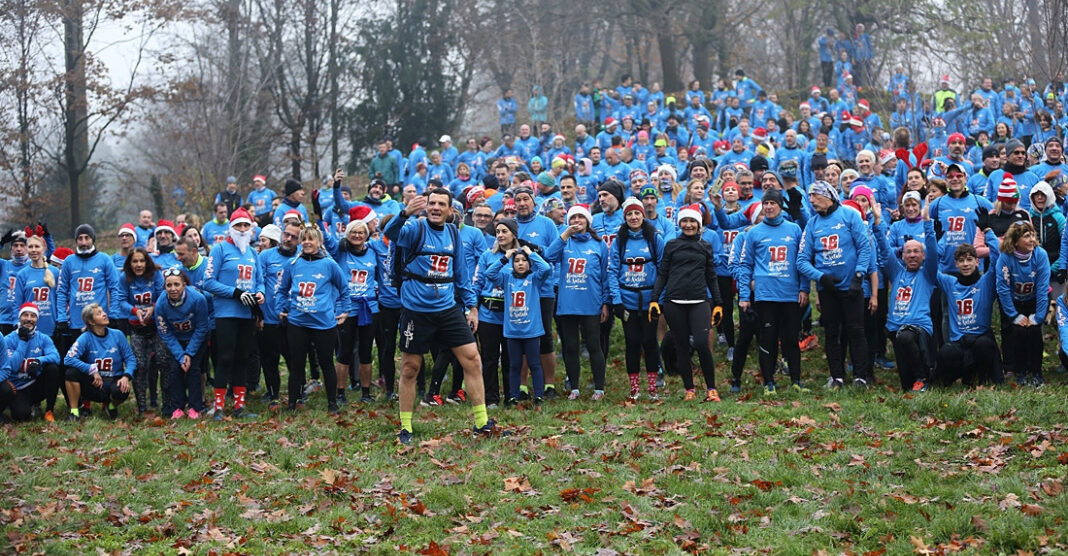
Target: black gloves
point(1060, 275)
point(63, 328)
point(33, 368)
point(246, 298)
point(10, 235)
point(828, 281)
point(983, 219)
point(316, 207)
point(855, 286)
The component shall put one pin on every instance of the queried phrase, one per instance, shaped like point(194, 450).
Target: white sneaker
point(730, 354)
point(722, 339)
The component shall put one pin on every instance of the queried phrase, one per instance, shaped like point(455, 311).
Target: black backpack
point(403, 257)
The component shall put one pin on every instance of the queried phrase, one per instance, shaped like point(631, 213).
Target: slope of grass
point(948, 470)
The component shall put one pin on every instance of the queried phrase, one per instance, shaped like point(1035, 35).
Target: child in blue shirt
point(521, 273)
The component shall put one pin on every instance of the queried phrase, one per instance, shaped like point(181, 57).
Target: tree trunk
point(333, 76)
point(669, 65)
point(76, 109)
point(294, 149)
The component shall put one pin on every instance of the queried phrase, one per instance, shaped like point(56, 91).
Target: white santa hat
point(582, 210)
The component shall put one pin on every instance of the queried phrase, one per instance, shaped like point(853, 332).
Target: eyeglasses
point(1018, 152)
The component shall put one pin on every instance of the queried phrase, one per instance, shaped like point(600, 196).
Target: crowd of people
point(697, 231)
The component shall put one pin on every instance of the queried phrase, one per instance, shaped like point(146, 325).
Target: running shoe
point(49, 416)
point(574, 395)
point(769, 390)
point(193, 414)
point(550, 392)
point(736, 386)
point(178, 414)
point(860, 383)
point(597, 395)
point(919, 386)
point(690, 396)
point(883, 363)
point(730, 354)
point(711, 395)
point(243, 413)
point(404, 437)
point(799, 388)
point(432, 401)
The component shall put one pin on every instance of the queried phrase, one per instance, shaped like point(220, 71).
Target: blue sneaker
point(404, 437)
point(736, 387)
point(883, 363)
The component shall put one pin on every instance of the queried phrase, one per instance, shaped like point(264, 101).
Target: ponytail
point(49, 279)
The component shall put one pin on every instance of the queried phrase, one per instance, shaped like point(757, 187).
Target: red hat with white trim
point(127, 228)
point(165, 226)
point(60, 255)
point(691, 211)
point(259, 178)
point(361, 213)
point(815, 89)
point(864, 102)
point(1008, 191)
point(293, 214)
point(580, 209)
point(29, 307)
point(240, 216)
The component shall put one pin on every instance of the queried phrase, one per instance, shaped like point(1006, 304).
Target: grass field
point(861, 472)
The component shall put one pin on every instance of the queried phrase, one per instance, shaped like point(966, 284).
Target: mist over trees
point(296, 88)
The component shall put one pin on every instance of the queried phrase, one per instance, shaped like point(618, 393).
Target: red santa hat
point(580, 209)
point(166, 226)
point(864, 102)
point(127, 228)
point(956, 136)
point(259, 178)
point(293, 214)
point(29, 307)
point(60, 255)
point(240, 216)
point(760, 133)
point(691, 211)
point(815, 89)
point(361, 213)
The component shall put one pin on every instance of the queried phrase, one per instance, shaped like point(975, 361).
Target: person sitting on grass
point(100, 364)
point(30, 370)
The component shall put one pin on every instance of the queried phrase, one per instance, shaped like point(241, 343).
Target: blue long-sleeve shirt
point(910, 291)
point(449, 281)
point(187, 323)
point(271, 262)
point(18, 353)
point(30, 286)
point(769, 260)
point(958, 217)
point(835, 244)
point(1021, 281)
point(506, 109)
point(229, 269)
point(84, 280)
point(522, 304)
point(312, 291)
point(582, 265)
point(141, 292)
point(363, 273)
point(632, 274)
point(110, 353)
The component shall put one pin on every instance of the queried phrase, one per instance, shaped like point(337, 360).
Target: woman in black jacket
point(686, 281)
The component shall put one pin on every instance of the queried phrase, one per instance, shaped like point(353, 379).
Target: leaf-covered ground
point(860, 472)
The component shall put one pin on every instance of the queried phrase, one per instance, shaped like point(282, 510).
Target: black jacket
point(687, 267)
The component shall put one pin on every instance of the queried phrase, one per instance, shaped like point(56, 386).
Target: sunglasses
point(171, 272)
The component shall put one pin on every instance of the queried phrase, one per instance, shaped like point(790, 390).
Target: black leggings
point(386, 340)
point(1027, 341)
point(640, 336)
point(779, 324)
point(569, 336)
point(443, 359)
point(972, 359)
point(548, 310)
point(843, 318)
point(301, 341)
point(748, 328)
point(726, 289)
point(22, 401)
point(274, 344)
point(494, 359)
point(912, 347)
point(686, 321)
point(236, 338)
point(875, 327)
point(352, 336)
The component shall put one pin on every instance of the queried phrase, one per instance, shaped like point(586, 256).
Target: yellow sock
point(479, 412)
point(406, 420)
point(75, 412)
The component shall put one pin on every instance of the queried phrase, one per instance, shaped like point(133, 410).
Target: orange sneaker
point(690, 396)
point(810, 342)
point(712, 395)
point(49, 417)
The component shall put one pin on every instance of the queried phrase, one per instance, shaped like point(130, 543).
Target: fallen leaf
point(516, 484)
point(1031, 509)
point(980, 524)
